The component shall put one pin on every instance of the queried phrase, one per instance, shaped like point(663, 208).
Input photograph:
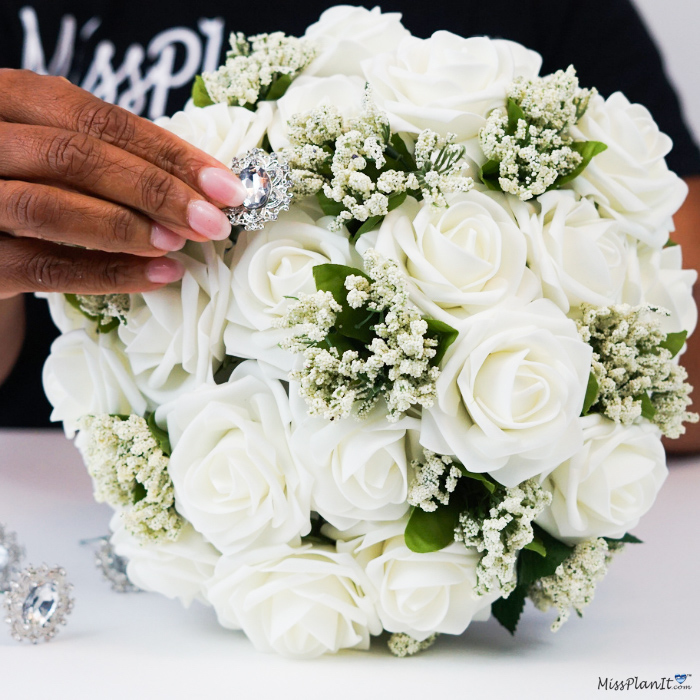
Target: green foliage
point(278, 87)
point(103, 325)
point(160, 435)
point(489, 174)
point(508, 610)
point(648, 410)
point(329, 206)
point(625, 539)
point(592, 391)
point(588, 150)
point(430, 532)
point(200, 96)
point(674, 342)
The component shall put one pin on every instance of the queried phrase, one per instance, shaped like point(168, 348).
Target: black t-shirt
point(144, 56)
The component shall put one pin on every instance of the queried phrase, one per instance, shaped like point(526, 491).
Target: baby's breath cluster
point(401, 644)
point(501, 528)
point(254, 64)
point(107, 310)
point(356, 163)
point(395, 365)
point(632, 368)
point(130, 472)
point(574, 582)
point(435, 478)
point(530, 143)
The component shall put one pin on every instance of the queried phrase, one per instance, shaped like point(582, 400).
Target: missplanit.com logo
point(677, 682)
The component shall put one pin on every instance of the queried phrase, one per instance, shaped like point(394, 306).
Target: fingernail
point(164, 270)
point(165, 239)
point(222, 186)
point(206, 219)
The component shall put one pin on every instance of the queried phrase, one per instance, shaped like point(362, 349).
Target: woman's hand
point(75, 170)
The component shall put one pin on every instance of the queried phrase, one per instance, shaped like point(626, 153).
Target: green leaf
point(489, 173)
point(532, 565)
point(329, 206)
point(670, 244)
point(483, 478)
point(444, 334)
point(369, 225)
point(648, 410)
point(102, 326)
point(536, 546)
point(588, 150)
point(396, 200)
point(351, 323)
point(674, 342)
point(592, 391)
point(200, 96)
point(159, 434)
point(626, 539)
point(139, 492)
point(508, 610)
point(430, 532)
point(515, 114)
point(398, 152)
point(279, 87)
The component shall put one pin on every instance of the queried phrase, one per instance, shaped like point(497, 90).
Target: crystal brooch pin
point(37, 603)
point(11, 554)
point(113, 568)
point(267, 180)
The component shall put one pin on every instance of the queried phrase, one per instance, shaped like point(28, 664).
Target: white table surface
point(644, 622)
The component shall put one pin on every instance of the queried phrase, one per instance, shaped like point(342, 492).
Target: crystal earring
point(11, 554)
point(37, 603)
point(267, 180)
point(111, 565)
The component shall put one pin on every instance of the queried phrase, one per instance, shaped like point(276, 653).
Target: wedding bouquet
point(428, 375)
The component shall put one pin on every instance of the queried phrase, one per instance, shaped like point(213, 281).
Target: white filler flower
point(235, 478)
point(608, 485)
point(297, 601)
point(510, 393)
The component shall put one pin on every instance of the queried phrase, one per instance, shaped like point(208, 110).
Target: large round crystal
point(257, 184)
point(4, 557)
point(40, 604)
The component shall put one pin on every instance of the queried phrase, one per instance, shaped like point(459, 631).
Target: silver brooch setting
point(267, 180)
point(11, 554)
point(37, 603)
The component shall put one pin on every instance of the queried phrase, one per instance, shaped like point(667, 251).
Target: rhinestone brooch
point(11, 554)
point(267, 180)
point(113, 567)
point(37, 603)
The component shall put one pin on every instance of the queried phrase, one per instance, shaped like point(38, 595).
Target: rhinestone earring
point(37, 603)
point(267, 180)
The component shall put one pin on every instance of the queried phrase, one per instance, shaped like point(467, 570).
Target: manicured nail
point(164, 270)
point(222, 186)
point(165, 239)
point(206, 219)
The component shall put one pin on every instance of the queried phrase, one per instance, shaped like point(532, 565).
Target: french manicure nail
point(164, 270)
point(165, 239)
point(206, 219)
point(222, 186)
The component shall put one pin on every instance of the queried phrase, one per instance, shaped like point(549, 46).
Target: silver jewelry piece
point(37, 603)
point(113, 568)
point(11, 554)
point(267, 180)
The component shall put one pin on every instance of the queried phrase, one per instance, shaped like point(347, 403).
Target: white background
point(675, 24)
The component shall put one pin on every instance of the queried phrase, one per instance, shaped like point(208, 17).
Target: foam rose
point(297, 601)
point(630, 181)
point(510, 393)
point(608, 485)
point(235, 478)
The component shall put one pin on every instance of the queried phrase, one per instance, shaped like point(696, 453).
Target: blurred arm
point(12, 326)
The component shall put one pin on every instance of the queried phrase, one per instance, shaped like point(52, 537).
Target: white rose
point(419, 594)
point(235, 478)
point(459, 260)
point(173, 336)
point(510, 393)
point(270, 267)
point(578, 256)
point(630, 181)
point(87, 373)
point(360, 468)
point(301, 602)
point(344, 36)
point(608, 485)
point(177, 569)
point(448, 83)
point(306, 93)
point(219, 130)
point(65, 316)
point(656, 277)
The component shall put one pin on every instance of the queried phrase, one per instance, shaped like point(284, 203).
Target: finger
point(85, 163)
point(48, 101)
point(50, 213)
point(28, 265)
